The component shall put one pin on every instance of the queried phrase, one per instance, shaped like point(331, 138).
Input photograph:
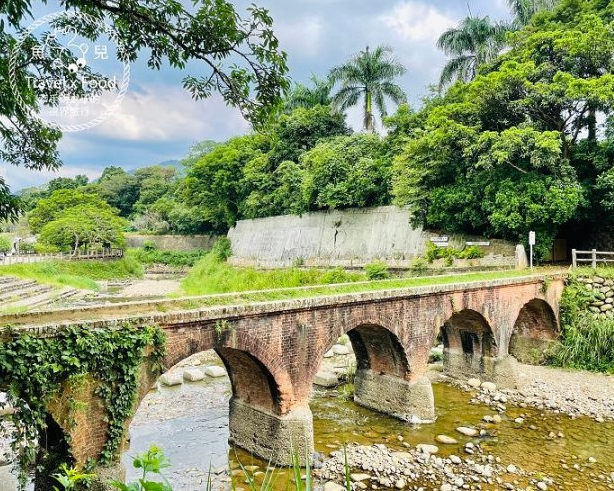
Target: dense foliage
point(239, 58)
point(35, 368)
point(587, 334)
point(517, 149)
point(524, 141)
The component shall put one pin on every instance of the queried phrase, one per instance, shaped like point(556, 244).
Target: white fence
point(594, 257)
point(37, 258)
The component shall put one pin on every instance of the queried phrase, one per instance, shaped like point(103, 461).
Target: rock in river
point(214, 371)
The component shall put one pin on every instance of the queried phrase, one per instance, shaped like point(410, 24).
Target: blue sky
point(158, 120)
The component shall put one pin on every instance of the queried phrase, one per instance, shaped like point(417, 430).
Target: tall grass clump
point(212, 274)
point(587, 338)
point(588, 344)
point(171, 258)
point(81, 274)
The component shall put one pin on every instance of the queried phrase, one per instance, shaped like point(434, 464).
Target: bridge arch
point(378, 349)
point(469, 344)
point(251, 381)
point(535, 330)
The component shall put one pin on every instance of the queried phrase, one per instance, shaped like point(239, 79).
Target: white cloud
point(166, 113)
point(417, 21)
point(18, 177)
point(302, 36)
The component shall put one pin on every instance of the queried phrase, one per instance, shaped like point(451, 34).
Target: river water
point(190, 422)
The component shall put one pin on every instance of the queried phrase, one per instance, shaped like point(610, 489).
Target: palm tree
point(369, 74)
point(524, 10)
point(474, 42)
point(319, 93)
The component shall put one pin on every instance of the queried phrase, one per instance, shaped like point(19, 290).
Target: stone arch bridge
point(273, 350)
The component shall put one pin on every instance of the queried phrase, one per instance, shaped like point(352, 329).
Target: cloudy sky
point(158, 121)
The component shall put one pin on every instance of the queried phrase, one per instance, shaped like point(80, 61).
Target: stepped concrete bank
point(273, 350)
point(346, 238)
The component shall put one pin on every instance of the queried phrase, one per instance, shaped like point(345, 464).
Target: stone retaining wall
point(346, 238)
point(173, 242)
point(601, 290)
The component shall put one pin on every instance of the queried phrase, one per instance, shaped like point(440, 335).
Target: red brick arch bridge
point(273, 350)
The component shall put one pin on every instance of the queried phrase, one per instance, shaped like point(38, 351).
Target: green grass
point(77, 274)
point(171, 258)
point(210, 275)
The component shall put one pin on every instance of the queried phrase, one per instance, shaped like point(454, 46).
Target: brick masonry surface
point(273, 350)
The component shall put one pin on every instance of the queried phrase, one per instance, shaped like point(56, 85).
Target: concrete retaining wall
point(345, 238)
point(173, 242)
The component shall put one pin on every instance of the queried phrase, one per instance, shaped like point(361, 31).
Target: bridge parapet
point(273, 349)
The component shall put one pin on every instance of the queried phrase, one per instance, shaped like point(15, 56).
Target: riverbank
point(570, 392)
point(494, 451)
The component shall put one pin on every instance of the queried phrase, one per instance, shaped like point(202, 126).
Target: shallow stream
point(190, 422)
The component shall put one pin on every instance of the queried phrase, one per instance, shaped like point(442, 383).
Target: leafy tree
point(50, 209)
point(369, 75)
point(197, 151)
point(66, 183)
point(346, 171)
point(214, 183)
point(516, 149)
point(318, 94)
point(84, 226)
point(118, 188)
point(181, 219)
point(300, 130)
point(153, 182)
point(239, 56)
point(473, 43)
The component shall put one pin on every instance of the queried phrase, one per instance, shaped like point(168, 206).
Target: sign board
point(532, 238)
point(439, 239)
point(477, 243)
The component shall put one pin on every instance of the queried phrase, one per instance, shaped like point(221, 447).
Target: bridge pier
point(270, 436)
point(500, 371)
point(408, 401)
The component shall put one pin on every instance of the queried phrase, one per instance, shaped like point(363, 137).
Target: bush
point(222, 249)
point(6, 245)
point(434, 252)
point(171, 258)
point(418, 265)
point(377, 270)
point(471, 252)
point(338, 275)
point(149, 245)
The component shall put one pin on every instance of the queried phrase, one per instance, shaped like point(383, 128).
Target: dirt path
point(150, 288)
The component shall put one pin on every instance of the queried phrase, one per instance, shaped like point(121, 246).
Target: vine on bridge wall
point(34, 369)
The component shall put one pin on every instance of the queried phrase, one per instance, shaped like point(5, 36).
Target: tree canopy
point(238, 57)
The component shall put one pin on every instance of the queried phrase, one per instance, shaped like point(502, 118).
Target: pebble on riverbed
point(384, 467)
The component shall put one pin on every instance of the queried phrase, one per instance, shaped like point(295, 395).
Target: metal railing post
point(574, 258)
point(594, 258)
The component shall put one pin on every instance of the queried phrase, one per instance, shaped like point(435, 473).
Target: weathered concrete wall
point(173, 242)
point(351, 237)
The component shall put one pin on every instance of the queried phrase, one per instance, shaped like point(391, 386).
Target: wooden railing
point(594, 257)
point(36, 258)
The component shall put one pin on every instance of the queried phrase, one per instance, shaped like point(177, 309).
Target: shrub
point(377, 270)
point(5, 244)
point(418, 265)
point(337, 275)
point(149, 245)
point(222, 249)
point(471, 252)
